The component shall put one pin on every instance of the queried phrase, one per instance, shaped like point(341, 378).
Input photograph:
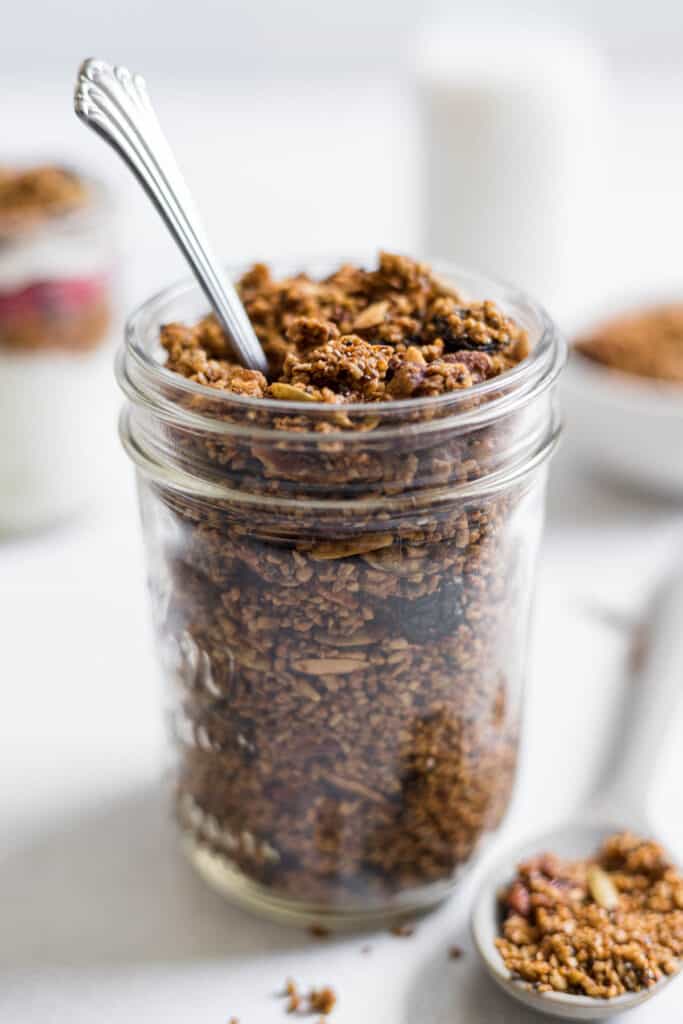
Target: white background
point(99, 918)
point(234, 38)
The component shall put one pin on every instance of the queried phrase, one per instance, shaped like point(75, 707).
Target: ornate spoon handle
point(116, 105)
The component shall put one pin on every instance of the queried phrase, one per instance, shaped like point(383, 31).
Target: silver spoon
point(619, 803)
point(116, 105)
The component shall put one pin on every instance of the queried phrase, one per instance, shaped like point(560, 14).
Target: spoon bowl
point(571, 842)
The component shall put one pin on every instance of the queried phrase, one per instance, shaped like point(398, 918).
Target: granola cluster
point(35, 193)
point(648, 343)
point(358, 336)
point(348, 677)
point(598, 927)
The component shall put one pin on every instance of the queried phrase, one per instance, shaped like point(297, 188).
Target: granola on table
point(347, 720)
point(598, 927)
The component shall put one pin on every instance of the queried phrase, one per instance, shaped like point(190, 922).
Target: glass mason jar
point(341, 598)
point(55, 316)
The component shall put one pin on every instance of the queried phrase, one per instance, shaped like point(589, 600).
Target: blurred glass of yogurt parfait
point(56, 259)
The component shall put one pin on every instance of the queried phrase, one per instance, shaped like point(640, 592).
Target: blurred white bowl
point(627, 427)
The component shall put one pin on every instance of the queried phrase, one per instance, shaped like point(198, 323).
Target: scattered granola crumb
point(322, 1000)
point(456, 952)
point(403, 930)
point(293, 996)
point(318, 1000)
point(234, 1020)
point(318, 931)
point(648, 343)
point(598, 927)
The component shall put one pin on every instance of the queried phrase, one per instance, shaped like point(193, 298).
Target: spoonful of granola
point(595, 927)
point(116, 105)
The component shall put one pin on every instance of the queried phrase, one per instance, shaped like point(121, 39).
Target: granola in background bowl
point(647, 343)
point(623, 395)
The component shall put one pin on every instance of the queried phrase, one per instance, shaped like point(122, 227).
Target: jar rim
point(210, 490)
point(537, 371)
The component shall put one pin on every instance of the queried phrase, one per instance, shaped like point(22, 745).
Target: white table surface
point(100, 919)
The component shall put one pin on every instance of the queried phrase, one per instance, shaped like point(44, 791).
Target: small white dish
point(628, 428)
point(572, 842)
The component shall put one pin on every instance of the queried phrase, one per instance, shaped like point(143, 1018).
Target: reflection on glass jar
point(341, 600)
point(56, 261)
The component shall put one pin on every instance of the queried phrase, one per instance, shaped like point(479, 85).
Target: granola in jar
point(342, 601)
